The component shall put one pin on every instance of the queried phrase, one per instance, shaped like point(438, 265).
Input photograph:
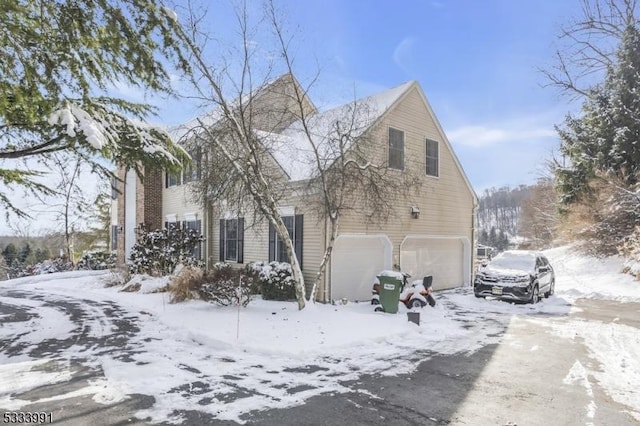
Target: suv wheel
point(552, 287)
point(535, 295)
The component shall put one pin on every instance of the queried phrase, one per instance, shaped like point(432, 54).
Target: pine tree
point(10, 253)
point(24, 254)
point(42, 254)
point(493, 237)
point(605, 140)
point(58, 63)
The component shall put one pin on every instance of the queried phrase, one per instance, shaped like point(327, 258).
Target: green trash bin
point(390, 288)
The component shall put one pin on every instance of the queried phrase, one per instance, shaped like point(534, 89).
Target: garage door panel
point(355, 262)
point(443, 258)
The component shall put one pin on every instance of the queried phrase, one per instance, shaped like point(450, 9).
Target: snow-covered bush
point(157, 253)
point(97, 260)
point(276, 282)
point(226, 286)
point(631, 252)
point(50, 266)
point(17, 270)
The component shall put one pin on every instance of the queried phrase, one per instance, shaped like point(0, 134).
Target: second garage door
point(442, 257)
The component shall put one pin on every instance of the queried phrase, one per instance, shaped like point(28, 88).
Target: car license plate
point(496, 290)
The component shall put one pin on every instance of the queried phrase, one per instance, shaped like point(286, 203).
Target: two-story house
point(429, 232)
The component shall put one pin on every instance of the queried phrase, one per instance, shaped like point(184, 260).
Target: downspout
point(205, 227)
point(474, 214)
point(327, 271)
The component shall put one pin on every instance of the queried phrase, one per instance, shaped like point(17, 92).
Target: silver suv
point(518, 275)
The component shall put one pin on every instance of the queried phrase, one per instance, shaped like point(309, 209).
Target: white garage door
point(355, 262)
point(444, 258)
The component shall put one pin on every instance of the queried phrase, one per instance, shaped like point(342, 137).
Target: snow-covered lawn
point(280, 356)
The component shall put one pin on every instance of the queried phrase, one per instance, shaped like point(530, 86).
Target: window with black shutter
point(277, 248)
point(232, 240)
point(172, 179)
point(196, 226)
point(114, 188)
point(114, 237)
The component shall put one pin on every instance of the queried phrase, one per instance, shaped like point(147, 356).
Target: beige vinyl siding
point(178, 200)
point(445, 202)
point(312, 247)
point(274, 108)
point(256, 241)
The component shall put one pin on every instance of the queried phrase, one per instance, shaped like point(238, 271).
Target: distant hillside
point(500, 215)
point(53, 242)
point(500, 208)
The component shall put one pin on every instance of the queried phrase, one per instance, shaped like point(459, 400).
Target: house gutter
point(474, 215)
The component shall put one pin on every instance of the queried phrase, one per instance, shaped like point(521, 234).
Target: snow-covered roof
point(293, 150)
point(176, 133)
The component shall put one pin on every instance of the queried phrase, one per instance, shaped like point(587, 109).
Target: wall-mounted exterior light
point(415, 212)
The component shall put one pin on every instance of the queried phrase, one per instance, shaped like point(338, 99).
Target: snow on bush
point(157, 253)
point(49, 266)
point(276, 282)
point(630, 250)
point(225, 285)
point(146, 284)
point(97, 260)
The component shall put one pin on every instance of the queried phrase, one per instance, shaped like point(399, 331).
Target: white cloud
point(402, 54)
point(483, 136)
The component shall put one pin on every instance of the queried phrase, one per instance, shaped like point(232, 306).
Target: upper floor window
point(189, 173)
point(192, 172)
point(114, 188)
point(396, 149)
point(432, 158)
point(173, 179)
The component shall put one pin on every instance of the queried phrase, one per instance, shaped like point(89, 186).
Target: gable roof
point(215, 115)
point(292, 150)
point(445, 139)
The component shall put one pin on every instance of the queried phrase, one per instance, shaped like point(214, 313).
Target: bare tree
point(346, 174)
point(234, 147)
point(342, 173)
point(587, 45)
point(70, 204)
point(539, 218)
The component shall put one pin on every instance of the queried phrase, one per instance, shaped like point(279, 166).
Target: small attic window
point(396, 149)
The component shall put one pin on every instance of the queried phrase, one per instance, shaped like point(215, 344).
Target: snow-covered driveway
point(66, 338)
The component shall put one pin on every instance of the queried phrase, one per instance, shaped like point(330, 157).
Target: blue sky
point(477, 62)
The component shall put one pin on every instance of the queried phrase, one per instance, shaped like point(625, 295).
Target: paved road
point(522, 380)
